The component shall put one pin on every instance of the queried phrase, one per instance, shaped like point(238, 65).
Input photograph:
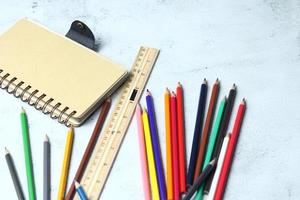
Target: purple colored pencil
point(156, 147)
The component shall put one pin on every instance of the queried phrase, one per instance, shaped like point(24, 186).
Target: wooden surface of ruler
point(110, 140)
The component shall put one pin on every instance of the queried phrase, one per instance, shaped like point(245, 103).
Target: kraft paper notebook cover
point(55, 74)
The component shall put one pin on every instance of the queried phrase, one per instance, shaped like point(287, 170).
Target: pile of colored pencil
point(212, 147)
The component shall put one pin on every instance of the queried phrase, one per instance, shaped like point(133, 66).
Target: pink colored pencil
point(143, 156)
point(176, 182)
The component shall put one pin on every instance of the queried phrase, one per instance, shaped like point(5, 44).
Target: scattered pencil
point(230, 151)
point(143, 156)
point(46, 166)
point(14, 175)
point(27, 154)
point(200, 180)
point(176, 189)
point(181, 137)
point(80, 191)
point(90, 147)
point(207, 127)
point(65, 165)
point(197, 133)
point(156, 147)
point(168, 145)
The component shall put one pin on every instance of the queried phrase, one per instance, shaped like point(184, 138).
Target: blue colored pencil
point(80, 191)
point(197, 133)
point(156, 147)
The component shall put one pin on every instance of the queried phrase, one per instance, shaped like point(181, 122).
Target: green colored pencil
point(211, 142)
point(27, 153)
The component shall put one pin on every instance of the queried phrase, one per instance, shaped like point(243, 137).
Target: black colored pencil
point(222, 133)
point(46, 191)
point(197, 133)
point(14, 175)
point(200, 180)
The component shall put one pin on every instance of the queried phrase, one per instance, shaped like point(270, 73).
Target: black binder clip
point(80, 32)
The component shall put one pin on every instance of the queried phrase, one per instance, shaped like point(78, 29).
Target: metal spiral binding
point(35, 103)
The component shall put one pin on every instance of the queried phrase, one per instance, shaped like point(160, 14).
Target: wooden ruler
point(110, 140)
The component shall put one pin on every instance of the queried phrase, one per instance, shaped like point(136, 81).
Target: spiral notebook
point(55, 74)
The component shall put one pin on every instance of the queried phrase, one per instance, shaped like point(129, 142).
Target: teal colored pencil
point(27, 153)
point(211, 142)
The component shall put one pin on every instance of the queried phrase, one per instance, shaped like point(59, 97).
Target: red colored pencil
point(181, 138)
point(230, 151)
point(176, 192)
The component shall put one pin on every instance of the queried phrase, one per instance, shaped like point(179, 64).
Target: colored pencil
point(65, 165)
point(156, 148)
point(197, 133)
point(200, 180)
point(216, 176)
point(230, 151)
point(80, 191)
point(206, 130)
point(181, 137)
point(89, 148)
point(222, 133)
point(46, 166)
point(14, 175)
point(143, 156)
point(176, 180)
point(212, 141)
point(27, 154)
point(150, 157)
point(168, 145)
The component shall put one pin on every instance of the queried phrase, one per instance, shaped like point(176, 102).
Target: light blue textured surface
point(253, 43)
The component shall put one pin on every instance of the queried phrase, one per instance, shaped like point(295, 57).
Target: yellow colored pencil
point(168, 146)
point(150, 157)
point(65, 165)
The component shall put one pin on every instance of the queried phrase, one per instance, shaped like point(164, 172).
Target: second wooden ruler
point(114, 131)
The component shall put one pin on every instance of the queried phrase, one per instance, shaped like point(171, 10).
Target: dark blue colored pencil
point(156, 148)
point(197, 133)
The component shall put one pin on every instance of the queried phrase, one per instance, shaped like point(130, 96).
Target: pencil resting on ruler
point(207, 127)
point(14, 175)
point(230, 151)
point(169, 174)
point(156, 147)
point(80, 191)
point(212, 141)
point(197, 133)
point(222, 133)
point(200, 179)
point(65, 165)
point(150, 157)
point(27, 154)
point(176, 189)
point(46, 170)
point(90, 147)
point(181, 137)
point(143, 156)
point(216, 176)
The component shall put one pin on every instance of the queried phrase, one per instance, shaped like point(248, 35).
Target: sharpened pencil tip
point(148, 93)
point(144, 110)
point(108, 99)
point(77, 185)
point(179, 84)
point(205, 81)
point(46, 138)
point(22, 110)
point(234, 86)
point(213, 162)
point(244, 101)
point(173, 94)
point(6, 151)
point(167, 90)
point(217, 81)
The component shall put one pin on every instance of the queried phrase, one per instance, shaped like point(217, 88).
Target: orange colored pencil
point(169, 176)
point(181, 138)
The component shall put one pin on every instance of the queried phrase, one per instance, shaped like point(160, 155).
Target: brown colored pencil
point(89, 149)
point(206, 129)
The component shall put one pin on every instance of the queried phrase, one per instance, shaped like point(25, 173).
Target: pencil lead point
point(46, 138)
point(205, 81)
point(217, 81)
point(234, 86)
point(77, 185)
point(173, 94)
point(167, 90)
point(22, 110)
point(6, 151)
point(244, 101)
point(148, 93)
point(213, 162)
point(179, 84)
